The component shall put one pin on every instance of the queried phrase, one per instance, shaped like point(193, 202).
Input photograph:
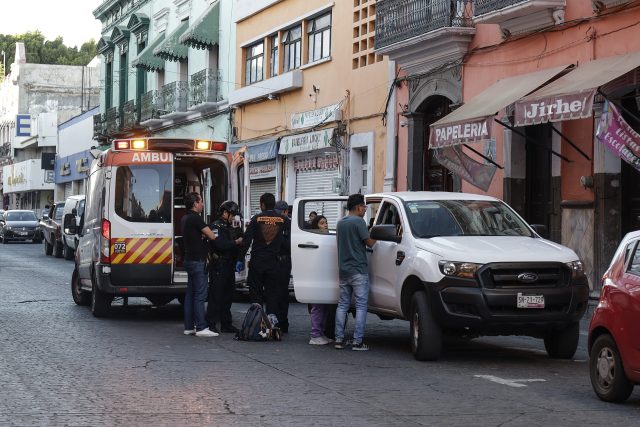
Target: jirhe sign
point(577, 105)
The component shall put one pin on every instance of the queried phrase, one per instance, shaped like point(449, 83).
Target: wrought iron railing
point(149, 106)
point(485, 6)
point(99, 125)
point(129, 115)
point(174, 97)
point(204, 87)
point(112, 120)
point(399, 20)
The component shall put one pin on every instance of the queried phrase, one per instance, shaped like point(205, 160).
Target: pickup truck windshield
point(431, 218)
point(20, 216)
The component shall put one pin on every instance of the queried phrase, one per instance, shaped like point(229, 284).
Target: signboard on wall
point(306, 142)
point(306, 119)
point(23, 125)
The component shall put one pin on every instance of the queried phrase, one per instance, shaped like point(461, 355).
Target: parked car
point(19, 225)
point(449, 263)
point(73, 205)
point(614, 332)
point(51, 227)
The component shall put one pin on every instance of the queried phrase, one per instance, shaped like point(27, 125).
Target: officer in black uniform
point(284, 271)
point(266, 236)
point(223, 253)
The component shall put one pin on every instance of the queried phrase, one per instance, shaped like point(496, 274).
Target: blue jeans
point(357, 285)
point(196, 296)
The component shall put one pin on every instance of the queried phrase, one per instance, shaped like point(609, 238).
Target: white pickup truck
point(450, 263)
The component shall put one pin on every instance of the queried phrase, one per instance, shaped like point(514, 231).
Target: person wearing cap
point(284, 272)
point(353, 240)
point(223, 254)
point(266, 234)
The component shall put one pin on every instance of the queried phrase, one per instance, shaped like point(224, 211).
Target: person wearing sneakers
point(353, 239)
point(195, 262)
point(318, 312)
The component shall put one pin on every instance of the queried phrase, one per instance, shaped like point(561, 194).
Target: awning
point(259, 151)
point(171, 49)
point(473, 121)
point(571, 96)
point(147, 60)
point(203, 34)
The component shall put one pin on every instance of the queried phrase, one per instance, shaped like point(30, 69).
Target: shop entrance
point(538, 196)
point(435, 176)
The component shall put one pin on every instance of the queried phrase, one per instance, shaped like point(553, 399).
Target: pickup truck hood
point(21, 223)
point(485, 249)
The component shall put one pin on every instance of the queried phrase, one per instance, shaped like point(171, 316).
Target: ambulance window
point(143, 193)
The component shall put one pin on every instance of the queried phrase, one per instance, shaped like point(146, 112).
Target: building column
point(415, 157)
point(390, 152)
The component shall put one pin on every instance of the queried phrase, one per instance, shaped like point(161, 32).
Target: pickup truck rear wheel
point(80, 297)
point(426, 334)
point(100, 301)
point(68, 252)
point(58, 249)
point(48, 249)
point(562, 343)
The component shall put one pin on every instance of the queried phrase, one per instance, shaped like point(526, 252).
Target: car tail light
point(105, 247)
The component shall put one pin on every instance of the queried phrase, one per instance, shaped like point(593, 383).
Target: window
point(274, 60)
point(124, 79)
point(143, 193)
point(292, 44)
point(255, 63)
point(108, 85)
point(389, 215)
point(634, 266)
point(319, 34)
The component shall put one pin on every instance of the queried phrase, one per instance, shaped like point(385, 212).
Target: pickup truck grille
point(521, 275)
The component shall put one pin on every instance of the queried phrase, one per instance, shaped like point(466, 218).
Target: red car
point(614, 332)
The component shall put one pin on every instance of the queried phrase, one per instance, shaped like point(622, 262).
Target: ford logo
point(527, 277)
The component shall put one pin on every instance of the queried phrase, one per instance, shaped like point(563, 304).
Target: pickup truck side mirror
point(69, 224)
point(385, 232)
point(541, 229)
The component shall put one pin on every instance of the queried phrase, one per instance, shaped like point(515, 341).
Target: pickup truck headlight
point(576, 267)
point(8, 227)
point(459, 269)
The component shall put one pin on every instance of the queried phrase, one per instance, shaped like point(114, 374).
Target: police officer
point(284, 272)
point(223, 253)
point(266, 236)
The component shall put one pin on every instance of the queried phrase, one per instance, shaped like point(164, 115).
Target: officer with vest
point(266, 237)
point(223, 254)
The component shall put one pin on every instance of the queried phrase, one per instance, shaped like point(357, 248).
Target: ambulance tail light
point(122, 144)
point(219, 146)
point(105, 247)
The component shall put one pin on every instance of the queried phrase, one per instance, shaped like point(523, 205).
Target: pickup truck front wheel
point(58, 248)
point(426, 334)
point(48, 249)
point(562, 343)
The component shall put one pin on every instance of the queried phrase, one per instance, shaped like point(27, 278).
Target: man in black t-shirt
point(195, 262)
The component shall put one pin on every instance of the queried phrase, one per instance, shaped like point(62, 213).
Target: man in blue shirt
point(353, 239)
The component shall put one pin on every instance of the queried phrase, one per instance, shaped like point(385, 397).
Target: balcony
point(112, 120)
point(204, 90)
point(149, 114)
point(423, 34)
point(264, 89)
point(173, 100)
point(517, 17)
point(129, 118)
point(99, 127)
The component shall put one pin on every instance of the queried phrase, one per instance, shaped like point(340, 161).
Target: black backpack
point(257, 327)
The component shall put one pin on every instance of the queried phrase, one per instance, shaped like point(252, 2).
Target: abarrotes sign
point(306, 142)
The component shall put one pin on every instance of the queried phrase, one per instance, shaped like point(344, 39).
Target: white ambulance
point(130, 239)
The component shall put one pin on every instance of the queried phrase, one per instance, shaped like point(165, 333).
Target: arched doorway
point(629, 176)
point(435, 177)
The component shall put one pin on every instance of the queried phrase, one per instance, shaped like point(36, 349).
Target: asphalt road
point(61, 366)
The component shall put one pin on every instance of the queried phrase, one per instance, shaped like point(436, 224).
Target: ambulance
point(130, 242)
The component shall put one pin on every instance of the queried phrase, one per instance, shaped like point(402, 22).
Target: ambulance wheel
point(100, 301)
point(80, 297)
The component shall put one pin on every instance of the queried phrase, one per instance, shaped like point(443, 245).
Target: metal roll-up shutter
point(258, 188)
point(68, 189)
point(316, 183)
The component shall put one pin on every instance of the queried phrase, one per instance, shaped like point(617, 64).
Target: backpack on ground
point(257, 327)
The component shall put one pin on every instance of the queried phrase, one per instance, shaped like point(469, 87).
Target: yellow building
point(310, 97)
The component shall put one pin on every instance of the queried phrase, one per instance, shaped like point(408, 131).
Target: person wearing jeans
point(195, 297)
point(353, 239)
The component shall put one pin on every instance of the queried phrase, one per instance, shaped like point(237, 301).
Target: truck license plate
point(21, 233)
point(530, 301)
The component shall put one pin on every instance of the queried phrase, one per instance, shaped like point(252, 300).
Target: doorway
point(435, 177)
point(629, 176)
point(538, 205)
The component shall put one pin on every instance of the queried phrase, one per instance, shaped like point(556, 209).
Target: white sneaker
point(319, 341)
point(189, 332)
point(206, 332)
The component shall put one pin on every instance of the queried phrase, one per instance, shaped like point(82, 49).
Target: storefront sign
point(306, 142)
point(25, 176)
point(475, 173)
point(23, 125)
point(327, 162)
point(65, 169)
point(261, 170)
point(82, 165)
point(554, 108)
point(306, 119)
point(460, 133)
point(258, 151)
point(616, 134)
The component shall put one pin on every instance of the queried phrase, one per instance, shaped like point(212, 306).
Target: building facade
point(537, 84)
point(310, 97)
point(167, 68)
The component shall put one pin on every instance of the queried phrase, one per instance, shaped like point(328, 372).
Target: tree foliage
point(41, 51)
